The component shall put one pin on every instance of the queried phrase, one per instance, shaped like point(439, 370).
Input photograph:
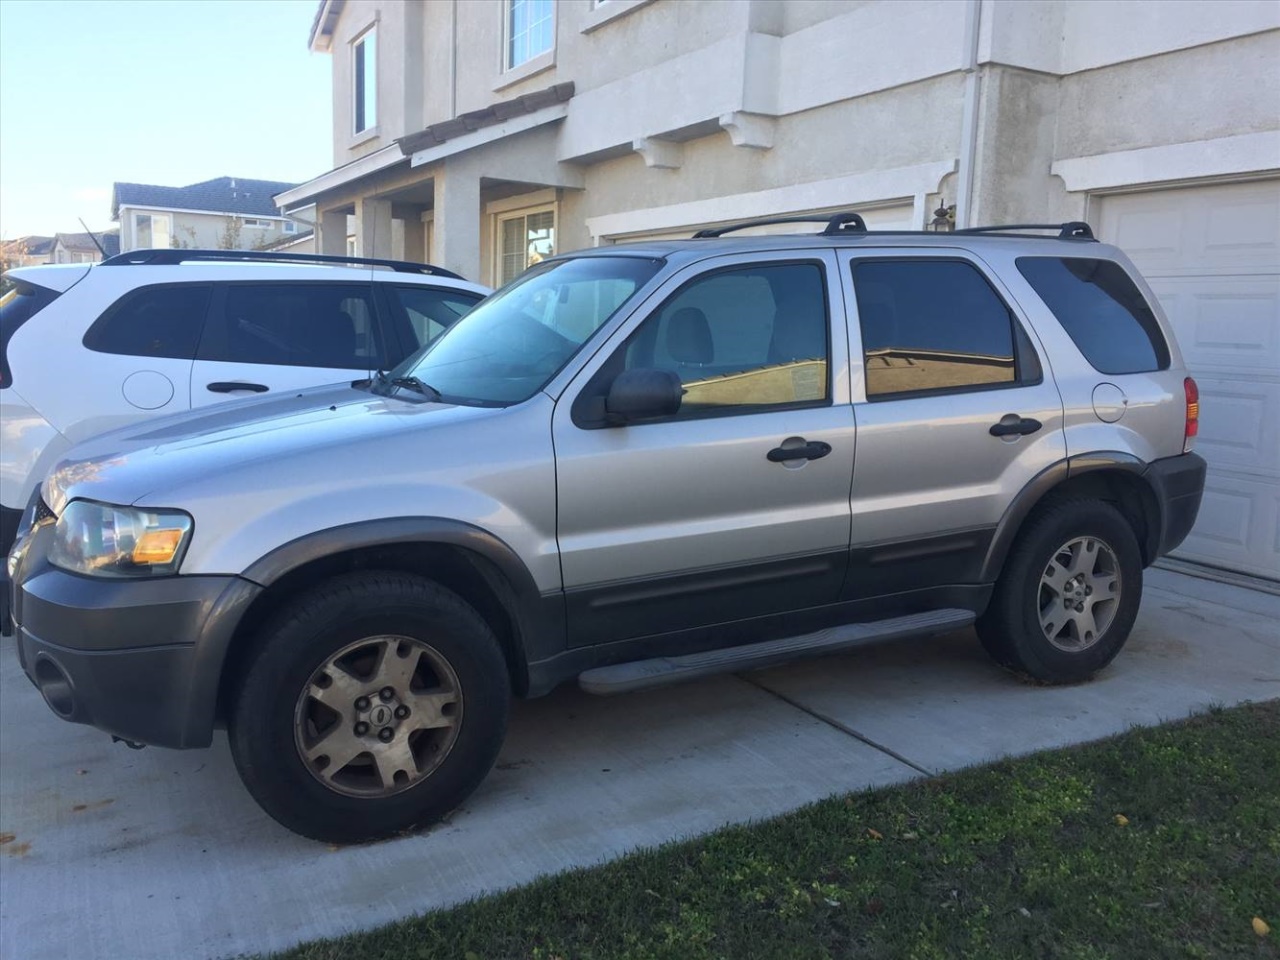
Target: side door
point(414, 315)
point(285, 335)
point(956, 411)
point(142, 346)
point(688, 521)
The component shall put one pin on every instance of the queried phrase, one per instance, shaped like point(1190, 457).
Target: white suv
point(86, 349)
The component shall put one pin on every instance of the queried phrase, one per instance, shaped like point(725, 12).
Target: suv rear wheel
point(1068, 595)
point(374, 704)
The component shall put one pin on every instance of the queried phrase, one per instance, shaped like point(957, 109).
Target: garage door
point(897, 217)
point(1212, 255)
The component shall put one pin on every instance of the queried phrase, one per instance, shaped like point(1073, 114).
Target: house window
point(524, 239)
point(151, 231)
point(254, 222)
point(289, 226)
point(365, 69)
point(530, 29)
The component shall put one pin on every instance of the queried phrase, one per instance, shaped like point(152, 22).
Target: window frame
point(289, 226)
point(1025, 353)
point(360, 79)
point(521, 213)
point(591, 395)
point(151, 215)
point(508, 64)
point(218, 304)
point(119, 304)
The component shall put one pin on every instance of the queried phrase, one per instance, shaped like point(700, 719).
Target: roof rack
point(836, 225)
point(1071, 230)
point(846, 224)
point(174, 256)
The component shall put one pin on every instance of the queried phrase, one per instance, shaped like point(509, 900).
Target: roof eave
point(326, 18)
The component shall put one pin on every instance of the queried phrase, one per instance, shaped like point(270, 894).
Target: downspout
point(453, 63)
point(969, 128)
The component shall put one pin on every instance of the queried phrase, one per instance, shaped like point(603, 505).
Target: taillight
point(1193, 415)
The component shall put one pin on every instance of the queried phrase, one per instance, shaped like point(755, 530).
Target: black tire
point(301, 639)
point(1011, 628)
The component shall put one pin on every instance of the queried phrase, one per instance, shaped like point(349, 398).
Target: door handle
point(231, 386)
point(1011, 424)
point(814, 450)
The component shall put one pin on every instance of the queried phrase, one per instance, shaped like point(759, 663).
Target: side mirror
point(643, 395)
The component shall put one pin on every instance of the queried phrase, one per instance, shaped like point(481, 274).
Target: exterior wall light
point(944, 218)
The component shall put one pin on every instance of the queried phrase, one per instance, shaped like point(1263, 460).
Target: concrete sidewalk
point(160, 854)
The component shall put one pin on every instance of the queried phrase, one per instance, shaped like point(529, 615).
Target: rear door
point(285, 335)
point(956, 412)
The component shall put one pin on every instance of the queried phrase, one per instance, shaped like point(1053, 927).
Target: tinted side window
point(152, 322)
point(22, 302)
point(431, 311)
point(1103, 311)
point(741, 339)
point(294, 325)
point(931, 325)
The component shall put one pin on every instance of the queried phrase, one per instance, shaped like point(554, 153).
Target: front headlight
point(106, 541)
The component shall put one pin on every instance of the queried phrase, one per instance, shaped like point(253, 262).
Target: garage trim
point(879, 187)
point(1220, 157)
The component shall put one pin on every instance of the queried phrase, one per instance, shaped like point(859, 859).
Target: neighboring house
point(227, 212)
point(25, 251)
point(302, 242)
point(80, 248)
point(482, 136)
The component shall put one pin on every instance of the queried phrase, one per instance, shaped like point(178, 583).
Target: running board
point(639, 674)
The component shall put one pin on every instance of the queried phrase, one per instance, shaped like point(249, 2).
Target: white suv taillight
point(1193, 415)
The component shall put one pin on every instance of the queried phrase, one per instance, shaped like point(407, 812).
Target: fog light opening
point(55, 688)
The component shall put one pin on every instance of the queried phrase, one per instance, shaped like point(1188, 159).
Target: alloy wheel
point(378, 716)
point(1079, 594)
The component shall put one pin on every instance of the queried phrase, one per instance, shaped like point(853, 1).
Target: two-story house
point(484, 135)
point(28, 251)
point(226, 213)
point(82, 248)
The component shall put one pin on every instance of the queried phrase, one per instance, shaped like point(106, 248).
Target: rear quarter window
point(1102, 310)
point(19, 304)
point(160, 321)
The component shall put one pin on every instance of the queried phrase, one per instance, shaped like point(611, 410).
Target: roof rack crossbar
point(1071, 230)
point(838, 224)
point(178, 255)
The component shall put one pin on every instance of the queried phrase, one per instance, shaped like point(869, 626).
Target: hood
point(125, 465)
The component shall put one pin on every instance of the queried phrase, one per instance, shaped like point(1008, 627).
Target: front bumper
point(141, 659)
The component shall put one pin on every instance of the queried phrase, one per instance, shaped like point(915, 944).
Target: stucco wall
point(1196, 94)
point(197, 231)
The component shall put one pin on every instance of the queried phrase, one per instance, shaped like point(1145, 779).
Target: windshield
point(508, 347)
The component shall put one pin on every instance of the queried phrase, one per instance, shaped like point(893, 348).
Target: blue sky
point(152, 91)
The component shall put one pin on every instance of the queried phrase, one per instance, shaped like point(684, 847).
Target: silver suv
point(633, 465)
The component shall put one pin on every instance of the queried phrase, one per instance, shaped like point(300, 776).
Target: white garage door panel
point(1227, 323)
point(1212, 257)
point(1238, 518)
point(1238, 425)
point(1233, 228)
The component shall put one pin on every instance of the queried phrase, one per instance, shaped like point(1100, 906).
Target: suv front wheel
point(373, 704)
point(1068, 595)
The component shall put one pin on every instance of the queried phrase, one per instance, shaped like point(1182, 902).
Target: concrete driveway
point(159, 854)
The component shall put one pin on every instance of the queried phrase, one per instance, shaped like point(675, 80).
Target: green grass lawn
point(1157, 843)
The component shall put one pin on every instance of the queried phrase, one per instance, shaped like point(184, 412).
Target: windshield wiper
point(409, 383)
